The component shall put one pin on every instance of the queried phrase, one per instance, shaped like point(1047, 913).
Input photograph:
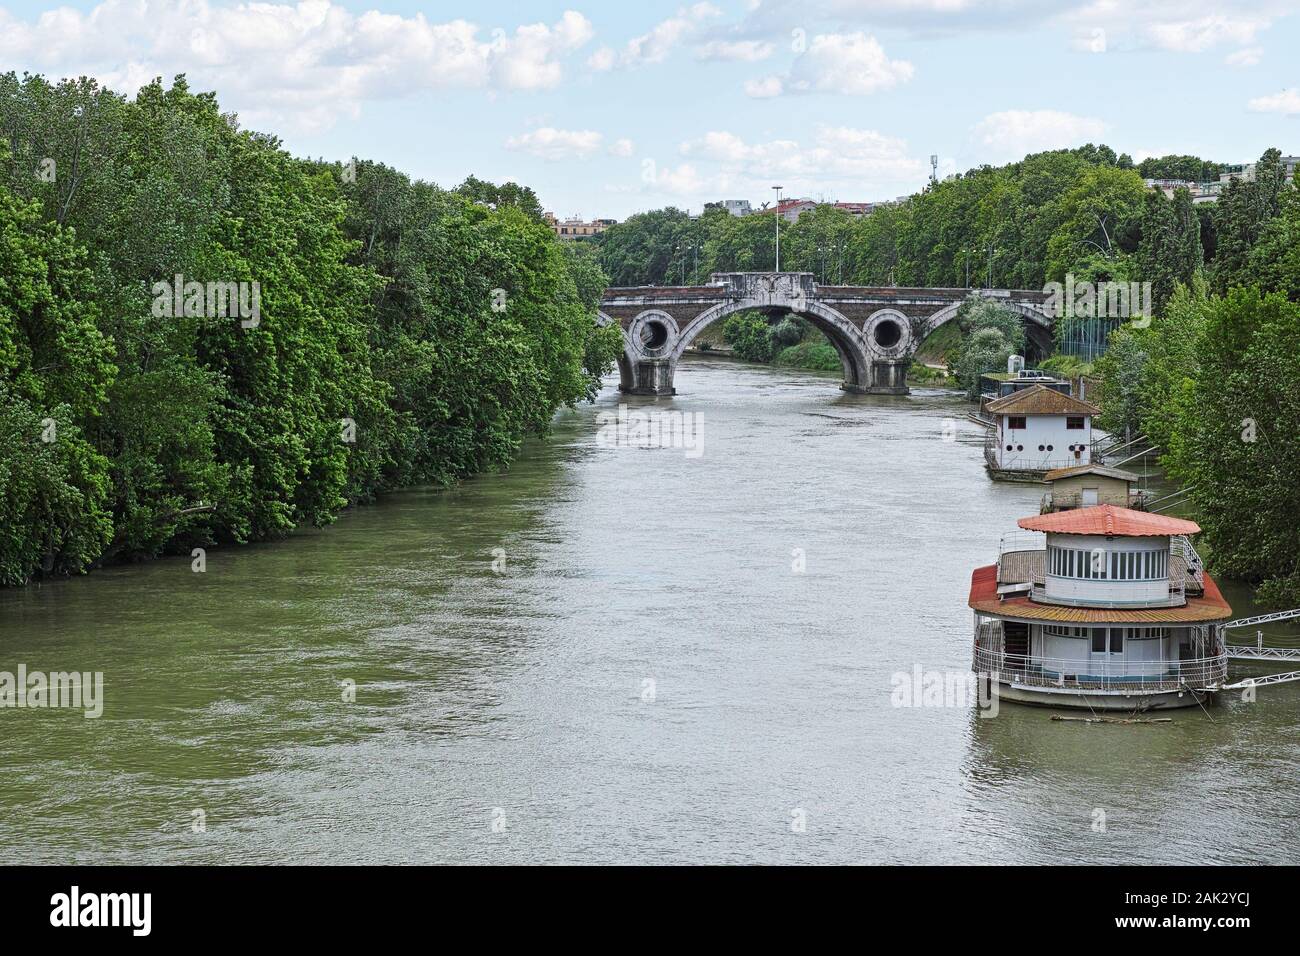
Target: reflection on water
point(647, 679)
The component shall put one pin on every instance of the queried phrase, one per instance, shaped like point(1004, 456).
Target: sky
point(609, 108)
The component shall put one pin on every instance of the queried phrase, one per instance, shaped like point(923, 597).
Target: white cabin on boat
point(1038, 429)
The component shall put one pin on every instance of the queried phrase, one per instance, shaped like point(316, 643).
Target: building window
point(1016, 422)
point(1098, 640)
point(1116, 640)
point(1074, 421)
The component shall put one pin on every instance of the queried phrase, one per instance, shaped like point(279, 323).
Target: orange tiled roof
point(984, 598)
point(1109, 520)
point(1040, 400)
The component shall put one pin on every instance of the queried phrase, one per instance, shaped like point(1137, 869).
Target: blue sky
point(610, 108)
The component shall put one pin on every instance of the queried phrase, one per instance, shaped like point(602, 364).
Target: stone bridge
point(875, 329)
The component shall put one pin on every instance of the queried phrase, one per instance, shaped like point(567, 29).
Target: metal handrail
point(1035, 670)
point(1181, 546)
point(1022, 541)
point(1038, 671)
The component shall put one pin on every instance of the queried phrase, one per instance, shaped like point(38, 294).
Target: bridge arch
point(1038, 325)
point(627, 360)
point(846, 338)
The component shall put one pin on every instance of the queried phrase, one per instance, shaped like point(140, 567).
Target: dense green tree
point(1274, 260)
point(750, 336)
point(399, 332)
point(1191, 169)
point(506, 194)
point(1242, 213)
point(1235, 447)
point(1170, 249)
point(991, 334)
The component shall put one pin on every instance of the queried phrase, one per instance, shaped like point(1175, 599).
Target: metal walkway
point(1285, 678)
point(1258, 652)
point(1251, 652)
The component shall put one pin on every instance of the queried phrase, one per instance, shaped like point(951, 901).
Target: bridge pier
point(653, 377)
point(886, 377)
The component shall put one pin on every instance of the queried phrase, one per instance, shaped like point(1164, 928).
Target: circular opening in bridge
point(887, 333)
point(654, 335)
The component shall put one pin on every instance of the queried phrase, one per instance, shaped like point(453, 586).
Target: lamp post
point(778, 226)
point(992, 251)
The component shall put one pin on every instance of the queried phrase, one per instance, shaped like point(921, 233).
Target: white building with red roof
point(1037, 430)
point(1105, 608)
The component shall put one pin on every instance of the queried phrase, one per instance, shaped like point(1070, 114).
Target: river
point(649, 677)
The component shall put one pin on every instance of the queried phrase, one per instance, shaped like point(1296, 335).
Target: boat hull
point(1127, 701)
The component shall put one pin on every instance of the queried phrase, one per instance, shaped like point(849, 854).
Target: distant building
point(791, 209)
point(737, 207)
point(1247, 171)
point(1201, 192)
point(856, 209)
point(574, 227)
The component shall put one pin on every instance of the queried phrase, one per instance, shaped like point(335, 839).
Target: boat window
point(1098, 640)
point(1116, 640)
point(1018, 421)
point(1074, 421)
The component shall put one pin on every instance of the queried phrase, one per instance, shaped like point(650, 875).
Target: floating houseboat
point(1037, 430)
point(1104, 608)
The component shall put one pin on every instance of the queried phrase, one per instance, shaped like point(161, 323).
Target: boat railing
point(1181, 546)
point(1089, 674)
point(1058, 501)
point(1176, 597)
point(1022, 541)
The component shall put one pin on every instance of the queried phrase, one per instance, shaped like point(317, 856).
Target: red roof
point(1109, 520)
point(1040, 400)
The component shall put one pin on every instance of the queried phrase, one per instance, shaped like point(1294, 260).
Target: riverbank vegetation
point(400, 333)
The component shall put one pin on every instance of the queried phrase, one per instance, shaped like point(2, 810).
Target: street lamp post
point(778, 226)
point(992, 251)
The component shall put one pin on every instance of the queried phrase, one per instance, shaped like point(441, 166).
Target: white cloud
point(765, 88)
point(621, 147)
point(747, 51)
point(302, 64)
point(1246, 57)
point(1286, 102)
point(853, 64)
point(1183, 26)
point(683, 180)
point(656, 45)
point(602, 60)
point(839, 158)
point(1019, 132)
point(553, 144)
point(1203, 33)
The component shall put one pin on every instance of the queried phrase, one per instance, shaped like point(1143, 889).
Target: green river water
point(647, 679)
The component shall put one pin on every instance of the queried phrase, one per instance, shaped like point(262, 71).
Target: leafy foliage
point(992, 334)
point(750, 336)
point(379, 356)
